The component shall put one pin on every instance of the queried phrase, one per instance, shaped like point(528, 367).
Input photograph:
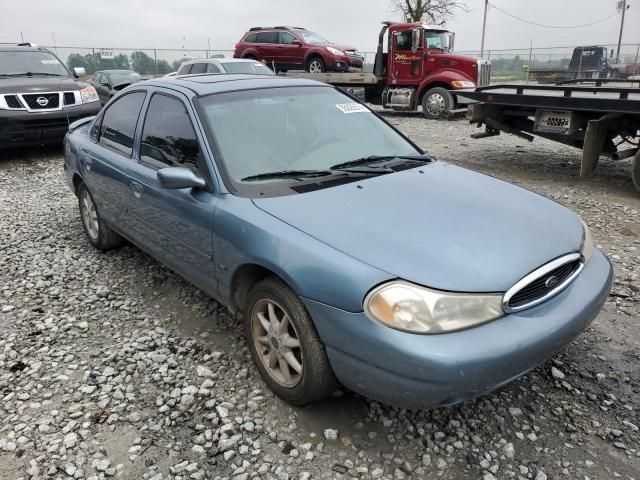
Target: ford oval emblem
point(42, 101)
point(551, 282)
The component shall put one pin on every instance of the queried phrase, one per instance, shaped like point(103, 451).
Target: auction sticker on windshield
point(352, 108)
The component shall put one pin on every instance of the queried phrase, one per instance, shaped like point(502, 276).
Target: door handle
point(137, 188)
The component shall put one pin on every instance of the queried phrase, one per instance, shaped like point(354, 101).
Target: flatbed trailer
point(594, 115)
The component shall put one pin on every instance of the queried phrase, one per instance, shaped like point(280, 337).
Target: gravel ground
point(111, 365)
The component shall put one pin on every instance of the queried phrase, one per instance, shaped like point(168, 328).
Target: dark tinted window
point(168, 138)
point(119, 122)
point(213, 68)
point(185, 69)
point(199, 68)
point(403, 41)
point(287, 38)
point(267, 37)
point(251, 38)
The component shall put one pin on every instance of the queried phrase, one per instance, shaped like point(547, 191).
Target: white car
point(223, 65)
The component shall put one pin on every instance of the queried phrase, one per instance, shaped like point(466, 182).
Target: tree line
point(138, 61)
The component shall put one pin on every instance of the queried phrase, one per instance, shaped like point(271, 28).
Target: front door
point(107, 163)
point(176, 225)
point(406, 58)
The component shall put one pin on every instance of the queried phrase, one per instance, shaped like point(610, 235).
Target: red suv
point(294, 48)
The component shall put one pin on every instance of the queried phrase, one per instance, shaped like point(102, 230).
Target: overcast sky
point(164, 23)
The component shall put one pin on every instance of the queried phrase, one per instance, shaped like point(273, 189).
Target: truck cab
point(420, 68)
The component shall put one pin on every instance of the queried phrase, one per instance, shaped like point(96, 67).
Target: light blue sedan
point(354, 257)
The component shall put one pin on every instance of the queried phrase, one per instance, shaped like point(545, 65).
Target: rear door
point(106, 162)
point(174, 225)
point(268, 46)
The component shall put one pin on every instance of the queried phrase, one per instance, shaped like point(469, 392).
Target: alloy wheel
point(315, 66)
point(89, 215)
point(277, 343)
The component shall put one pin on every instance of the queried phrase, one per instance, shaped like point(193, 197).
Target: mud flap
point(594, 140)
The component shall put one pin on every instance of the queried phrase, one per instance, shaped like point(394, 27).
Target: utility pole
point(484, 27)
point(208, 47)
point(621, 4)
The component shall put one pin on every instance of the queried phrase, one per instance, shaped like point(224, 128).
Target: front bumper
point(20, 128)
point(425, 371)
point(346, 64)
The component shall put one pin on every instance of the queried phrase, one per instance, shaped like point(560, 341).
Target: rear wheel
point(315, 65)
point(284, 344)
point(99, 235)
point(635, 170)
point(436, 102)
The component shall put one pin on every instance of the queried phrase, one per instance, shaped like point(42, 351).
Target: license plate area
point(554, 121)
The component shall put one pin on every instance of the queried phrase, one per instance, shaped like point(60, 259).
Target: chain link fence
point(508, 65)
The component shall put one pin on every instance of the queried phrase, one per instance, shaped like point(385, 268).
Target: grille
point(12, 101)
point(484, 73)
point(542, 286)
point(32, 101)
point(69, 98)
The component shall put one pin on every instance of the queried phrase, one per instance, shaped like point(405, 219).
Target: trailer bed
point(559, 97)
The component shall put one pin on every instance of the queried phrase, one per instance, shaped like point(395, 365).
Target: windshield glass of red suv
point(24, 62)
point(298, 128)
point(311, 38)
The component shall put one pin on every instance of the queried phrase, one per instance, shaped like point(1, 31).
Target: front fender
point(245, 234)
point(442, 77)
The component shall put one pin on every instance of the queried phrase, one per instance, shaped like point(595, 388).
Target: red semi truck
point(413, 68)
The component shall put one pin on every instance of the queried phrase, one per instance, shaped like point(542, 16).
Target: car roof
point(12, 47)
point(219, 60)
point(205, 84)
point(117, 71)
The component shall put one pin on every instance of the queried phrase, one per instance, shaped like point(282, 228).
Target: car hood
point(37, 84)
point(447, 228)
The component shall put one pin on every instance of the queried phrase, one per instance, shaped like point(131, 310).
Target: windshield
point(439, 39)
point(311, 38)
point(118, 78)
point(30, 61)
point(247, 67)
point(300, 128)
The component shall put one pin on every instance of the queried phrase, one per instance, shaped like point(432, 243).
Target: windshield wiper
point(378, 159)
point(31, 74)
point(295, 174)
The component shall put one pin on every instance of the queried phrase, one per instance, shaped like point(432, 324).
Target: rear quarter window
point(251, 38)
point(185, 69)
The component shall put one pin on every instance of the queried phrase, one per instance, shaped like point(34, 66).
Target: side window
point(99, 78)
point(287, 38)
point(251, 38)
point(199, 68)
point(403, 41)
point(119, 122)
point(268, 37)
point(168, 137)
point(185, 69)
point(213, 68)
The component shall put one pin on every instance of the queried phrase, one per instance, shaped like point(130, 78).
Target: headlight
point(463, 84)
point(335, 51)
point(587, 243)
point(88, 95)
point(405, 306)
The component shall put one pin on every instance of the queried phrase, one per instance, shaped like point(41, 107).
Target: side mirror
point(79, 72)
point(296, 42)
point(179, 177)
point(415, 40)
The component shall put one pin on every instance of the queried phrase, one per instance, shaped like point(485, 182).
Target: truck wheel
point(315, 65)
point(436, 103)
point(635, 170)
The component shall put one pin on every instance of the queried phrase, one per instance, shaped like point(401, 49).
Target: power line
point(552, 26)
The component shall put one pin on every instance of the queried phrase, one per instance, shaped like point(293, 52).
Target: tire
point(315, 65)
point(99, 235)
point(635, 170)
point(298, 345)
point(436, 102)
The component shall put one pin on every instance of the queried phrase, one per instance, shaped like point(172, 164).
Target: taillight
point(237, 45)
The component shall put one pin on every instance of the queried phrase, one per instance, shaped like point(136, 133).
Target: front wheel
point(315, 65)
point(284, 344)
point(99, 235)
point(437, 102)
